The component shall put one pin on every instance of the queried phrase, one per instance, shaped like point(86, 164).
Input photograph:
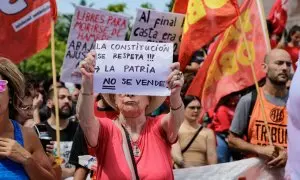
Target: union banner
point(204, 19)
point(227, 68)
point(25, 27)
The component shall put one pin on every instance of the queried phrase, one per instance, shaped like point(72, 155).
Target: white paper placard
point(155, 26)
point(88, 26)
point(132, 67)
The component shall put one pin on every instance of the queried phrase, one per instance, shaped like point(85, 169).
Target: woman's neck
point(191, 124)
point(135, 125)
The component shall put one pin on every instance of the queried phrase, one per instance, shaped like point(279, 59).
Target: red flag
point(278, 16)
point(203, 21)
point(25, 27)
point(180, 6)
point(227, 67)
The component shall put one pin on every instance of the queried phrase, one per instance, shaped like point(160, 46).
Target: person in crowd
point(79, 147)
point(292, 170)
point(75, 93)
point(67, 127)
point(196, 144)
point(27, 111)
point(21, 153)
point(221, 124)
point(138, 145)
point(293, 44)
point(288, 84)
point(45, 108)
point(248, 118)
point(196, 61)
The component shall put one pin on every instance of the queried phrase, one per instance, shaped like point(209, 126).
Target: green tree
point(40, 65)
point(147, 6)
point(170, 5)
point(116, 7)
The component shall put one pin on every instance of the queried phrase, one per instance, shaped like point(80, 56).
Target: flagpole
point(55, 90)
point(255, 81)
point(263, 22)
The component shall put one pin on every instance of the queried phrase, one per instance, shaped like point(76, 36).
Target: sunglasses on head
point(3, 85)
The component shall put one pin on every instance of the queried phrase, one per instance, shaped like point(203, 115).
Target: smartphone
point(44, 136)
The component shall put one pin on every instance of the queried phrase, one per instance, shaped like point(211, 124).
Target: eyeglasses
point(194, 107)
point(26, 107)
point(3, 85)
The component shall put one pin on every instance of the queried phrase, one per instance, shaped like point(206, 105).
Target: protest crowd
point(228, 93)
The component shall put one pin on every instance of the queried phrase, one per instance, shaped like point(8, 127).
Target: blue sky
point(64, 6)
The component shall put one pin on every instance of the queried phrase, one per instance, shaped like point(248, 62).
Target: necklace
point(135, 148)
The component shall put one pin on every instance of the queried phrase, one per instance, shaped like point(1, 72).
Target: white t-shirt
point(292, 170)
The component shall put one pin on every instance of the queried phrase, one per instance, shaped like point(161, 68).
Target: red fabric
point(180, 6)
point(222, 122)
point(294, 53)
point(104, 114)
point(278, 16)
point(203, 23)
point(30, 39)
point(154, 162)
point(227, 67)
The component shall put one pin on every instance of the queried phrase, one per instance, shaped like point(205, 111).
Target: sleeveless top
point(277, 118)
point(10, 170)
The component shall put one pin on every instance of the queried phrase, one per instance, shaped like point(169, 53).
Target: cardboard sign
point(132, 67)
point(88, 26)
point(65, 152)
point(155, 26)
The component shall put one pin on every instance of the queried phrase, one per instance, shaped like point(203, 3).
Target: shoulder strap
point(192, 140)
point(252, 104)
point(131, 153)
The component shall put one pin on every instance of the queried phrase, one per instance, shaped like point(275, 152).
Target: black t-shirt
point(79, 148)
point(66, 134)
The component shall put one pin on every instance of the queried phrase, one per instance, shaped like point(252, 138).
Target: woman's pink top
point(153, 163)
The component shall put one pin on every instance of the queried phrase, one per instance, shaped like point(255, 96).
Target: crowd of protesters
point(158, 129)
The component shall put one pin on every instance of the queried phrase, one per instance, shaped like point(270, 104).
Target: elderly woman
point(21, 153)
point(134, 145)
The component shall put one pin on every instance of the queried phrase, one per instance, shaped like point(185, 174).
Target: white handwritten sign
point(155, 26)
point(132, 67)
point(88, 26)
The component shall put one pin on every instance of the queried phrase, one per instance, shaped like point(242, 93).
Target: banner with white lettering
point(88, 26)
point(253, 168)
point(155, 26)
point(132, 67)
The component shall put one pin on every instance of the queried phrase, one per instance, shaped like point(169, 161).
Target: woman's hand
point(87, 69)
point(13, 150)
point(175, 79)
point(175, 82)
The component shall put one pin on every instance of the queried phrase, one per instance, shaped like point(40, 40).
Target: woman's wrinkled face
point(192, 111)
point(131, 106)
point(4, 96)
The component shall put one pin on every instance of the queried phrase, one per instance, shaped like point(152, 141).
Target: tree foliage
point(147, 6)
point(116, 7)
point(40, 65)
point(170, 5)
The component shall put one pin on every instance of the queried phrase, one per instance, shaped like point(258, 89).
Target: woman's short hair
point(16, 85)
point(188, 99)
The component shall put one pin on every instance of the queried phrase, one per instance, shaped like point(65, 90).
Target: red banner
point(203, 21)
point(180, 6)
point(278, 16)
point(25, 27)
point(227, 67)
